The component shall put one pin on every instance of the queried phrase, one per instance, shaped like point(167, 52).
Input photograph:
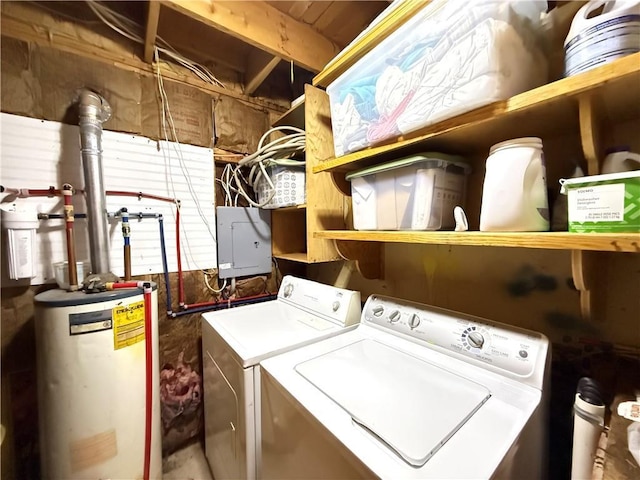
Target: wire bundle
point(130, 29)
point(277, 152)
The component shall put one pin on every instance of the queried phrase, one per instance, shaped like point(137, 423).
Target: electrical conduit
point(148, 339)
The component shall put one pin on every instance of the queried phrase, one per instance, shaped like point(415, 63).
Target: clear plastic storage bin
point(413, 193)
point(453, 56)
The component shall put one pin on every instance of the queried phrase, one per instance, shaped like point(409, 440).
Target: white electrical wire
point(166, 117)
point(128, 28)
point(274, 153)
point(206, 281)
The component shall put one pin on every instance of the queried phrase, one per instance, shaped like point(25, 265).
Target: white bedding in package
point(470, 59)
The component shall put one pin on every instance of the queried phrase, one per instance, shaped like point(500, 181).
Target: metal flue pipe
point(93, 111)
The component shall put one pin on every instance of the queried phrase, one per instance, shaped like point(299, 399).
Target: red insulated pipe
point(148, 347)
point(179, 258)
point(220, 302)
point(115, 286)
point(140, 195)
point(54, 192)
point(148, 332)
point(67, 190)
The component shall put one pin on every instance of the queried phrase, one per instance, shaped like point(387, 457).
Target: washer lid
point(255, 332)
point(410, 404)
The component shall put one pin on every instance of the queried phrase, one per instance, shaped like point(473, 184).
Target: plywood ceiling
point(338, 21)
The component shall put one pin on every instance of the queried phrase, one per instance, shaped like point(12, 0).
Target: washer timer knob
point(288, 290)
point(335, 306)
point(394, 316)
point(476, 339)
point(414, 321)
point(378, 310)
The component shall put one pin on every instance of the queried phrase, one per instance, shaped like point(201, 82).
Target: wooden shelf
point(293, 208)
point(294, 257)
point(550, 109)
point(366, 42)
point(614, 242)
point(293, 117)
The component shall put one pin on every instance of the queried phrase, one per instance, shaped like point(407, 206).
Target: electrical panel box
point(244, 241)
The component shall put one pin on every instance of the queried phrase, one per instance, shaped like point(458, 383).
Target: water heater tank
point(91, 385)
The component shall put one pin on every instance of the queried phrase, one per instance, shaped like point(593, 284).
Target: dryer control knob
point(378, 310)
point(288, 290)
point(476, 339)
point(394, 316)
point(414, 321)
point(335, 306)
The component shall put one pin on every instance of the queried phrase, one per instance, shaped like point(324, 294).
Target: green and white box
point(604, 203)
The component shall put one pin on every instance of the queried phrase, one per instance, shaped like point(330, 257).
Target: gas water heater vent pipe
point(93, 111)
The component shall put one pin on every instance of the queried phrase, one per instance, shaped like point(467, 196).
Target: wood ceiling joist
point(298, 9)
point(151, 32)
point(201, 42)
point(259, 65)
point(265, 27)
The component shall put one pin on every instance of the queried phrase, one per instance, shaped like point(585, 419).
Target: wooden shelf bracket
point(367, 256)
point(590, 131)
point(584, 268)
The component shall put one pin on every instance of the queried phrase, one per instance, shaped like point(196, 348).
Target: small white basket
point(289, 183)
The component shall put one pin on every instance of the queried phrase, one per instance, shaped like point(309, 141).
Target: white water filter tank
point(91, 385)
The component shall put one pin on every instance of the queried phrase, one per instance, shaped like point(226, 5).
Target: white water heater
point(91, 385)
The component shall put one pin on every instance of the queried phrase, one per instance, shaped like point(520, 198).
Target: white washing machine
point(412, 392)
point(234, 341)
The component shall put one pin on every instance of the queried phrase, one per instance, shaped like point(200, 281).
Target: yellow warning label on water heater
point(128, 325)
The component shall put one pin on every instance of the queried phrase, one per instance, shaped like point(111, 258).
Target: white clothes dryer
point(234, 341)
point(414, 392)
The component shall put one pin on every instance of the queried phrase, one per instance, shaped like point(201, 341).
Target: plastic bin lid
point(432, 160)
point(569, 183)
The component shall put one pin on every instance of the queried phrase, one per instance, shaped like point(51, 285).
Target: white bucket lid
point(531, 142)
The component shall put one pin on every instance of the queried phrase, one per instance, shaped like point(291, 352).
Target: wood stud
point(153, 16)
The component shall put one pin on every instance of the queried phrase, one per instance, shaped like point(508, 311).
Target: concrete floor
point(186, 464)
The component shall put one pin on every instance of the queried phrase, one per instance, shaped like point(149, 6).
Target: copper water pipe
point(67, 192)
point(126, 235)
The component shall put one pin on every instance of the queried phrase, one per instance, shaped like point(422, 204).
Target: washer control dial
point(378, 310)
point(394, 316)
point(288, 290)
point(414, 321)
point(335, 306)
point(475, 339)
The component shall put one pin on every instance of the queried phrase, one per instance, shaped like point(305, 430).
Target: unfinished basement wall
point(40, 81)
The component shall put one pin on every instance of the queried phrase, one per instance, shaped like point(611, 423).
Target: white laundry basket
point(289, 183)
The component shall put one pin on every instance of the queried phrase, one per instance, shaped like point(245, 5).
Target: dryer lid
point(412, 405)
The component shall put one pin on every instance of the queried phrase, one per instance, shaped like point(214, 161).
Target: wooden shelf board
point(293, 208)
point(614, 242)
point(549, 109)
point(367, 42)
point(293, 117)
point(294, 257)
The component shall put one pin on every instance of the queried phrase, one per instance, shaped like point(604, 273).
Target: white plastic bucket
point(602, 31)
point(514, 193)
